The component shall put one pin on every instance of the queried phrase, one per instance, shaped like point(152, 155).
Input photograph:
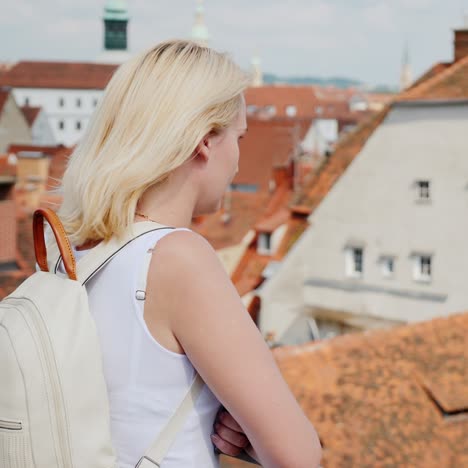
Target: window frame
point(419, 274)
point(351, 261)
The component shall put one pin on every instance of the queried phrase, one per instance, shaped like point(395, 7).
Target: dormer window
point(270, 110)
point(264, 243)
point(251, 109)
point(291, 111)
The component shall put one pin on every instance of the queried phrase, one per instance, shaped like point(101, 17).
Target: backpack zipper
point(64, 452)
point(10, 425)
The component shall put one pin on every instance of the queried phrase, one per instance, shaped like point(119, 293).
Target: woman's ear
point(203, 148)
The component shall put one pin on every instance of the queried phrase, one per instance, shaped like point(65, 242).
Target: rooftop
point(65, 75)
point(395, 398)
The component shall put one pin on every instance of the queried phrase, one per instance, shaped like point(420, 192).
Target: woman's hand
point(229, 437)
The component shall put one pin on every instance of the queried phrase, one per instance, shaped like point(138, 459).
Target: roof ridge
point(414, 93)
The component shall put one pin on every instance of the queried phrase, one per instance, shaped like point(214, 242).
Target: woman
point(163, 146)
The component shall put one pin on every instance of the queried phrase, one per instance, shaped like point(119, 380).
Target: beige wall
point(13, 126)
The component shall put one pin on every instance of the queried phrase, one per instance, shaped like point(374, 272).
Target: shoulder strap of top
point(142, 278)
point(100, 255)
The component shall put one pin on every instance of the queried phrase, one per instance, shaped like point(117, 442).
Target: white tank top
point(145, 381)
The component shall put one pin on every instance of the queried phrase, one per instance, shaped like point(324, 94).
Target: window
point(291, 111)
point(251, 109)
point(251, 188)
point(61, 125)
point(423, 187)
point(270, 110)
point(78, 102)
point(26, 101)
point(78, 125)
point(387, 266)
point(264, 243)
point(61, 102)
point(422, 268)
point(95, 102)
point(354, 261)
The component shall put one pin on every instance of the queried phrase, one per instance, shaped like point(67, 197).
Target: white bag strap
point(158, 450)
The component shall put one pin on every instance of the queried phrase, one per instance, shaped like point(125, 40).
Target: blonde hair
point(155, 110)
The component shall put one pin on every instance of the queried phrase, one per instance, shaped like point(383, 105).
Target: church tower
point(200, 31)
point(406, 77)
point(115, 32)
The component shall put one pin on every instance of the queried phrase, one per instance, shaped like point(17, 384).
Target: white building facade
point(67, 110)
point(389, 240)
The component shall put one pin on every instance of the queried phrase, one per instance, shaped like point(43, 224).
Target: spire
point(200, 31)
point(257, 74)
point(406, 77)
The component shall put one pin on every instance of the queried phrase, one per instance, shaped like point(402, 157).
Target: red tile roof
point(66, 75)
point(319, 184)
point(268, 144)
point(6, 168)
point(386, 398)
point(303, 97)
point(31, 114)
point(443, 83)
point(245, 210)
point(433, 71)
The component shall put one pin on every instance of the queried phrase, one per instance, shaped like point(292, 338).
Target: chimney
point(461, 41)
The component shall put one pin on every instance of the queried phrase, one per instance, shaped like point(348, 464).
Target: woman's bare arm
point(210, 322)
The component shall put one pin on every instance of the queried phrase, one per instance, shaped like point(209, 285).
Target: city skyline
point(319, 38)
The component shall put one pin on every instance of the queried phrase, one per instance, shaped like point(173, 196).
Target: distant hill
point(337, 81)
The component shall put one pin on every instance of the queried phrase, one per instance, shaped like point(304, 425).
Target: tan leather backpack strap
point(60, 236)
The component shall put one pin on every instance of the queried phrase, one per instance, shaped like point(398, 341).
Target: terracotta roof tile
point(319, 184)
point(445, 83)
point(248, 274)
point(66, 75)
point(31, 113)
point(375, 398)
point(7, 168)
point(245, 210)
point(268, 144)
point(433, 71)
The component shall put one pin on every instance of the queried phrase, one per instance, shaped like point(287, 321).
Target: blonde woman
point(163, 146)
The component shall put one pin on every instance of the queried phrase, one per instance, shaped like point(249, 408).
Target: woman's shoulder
point(183, 258)
point(184, 245)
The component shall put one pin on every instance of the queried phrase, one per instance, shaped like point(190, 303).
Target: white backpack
point(53, 400)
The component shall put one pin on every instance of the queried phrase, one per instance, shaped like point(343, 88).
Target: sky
point(359, 39)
